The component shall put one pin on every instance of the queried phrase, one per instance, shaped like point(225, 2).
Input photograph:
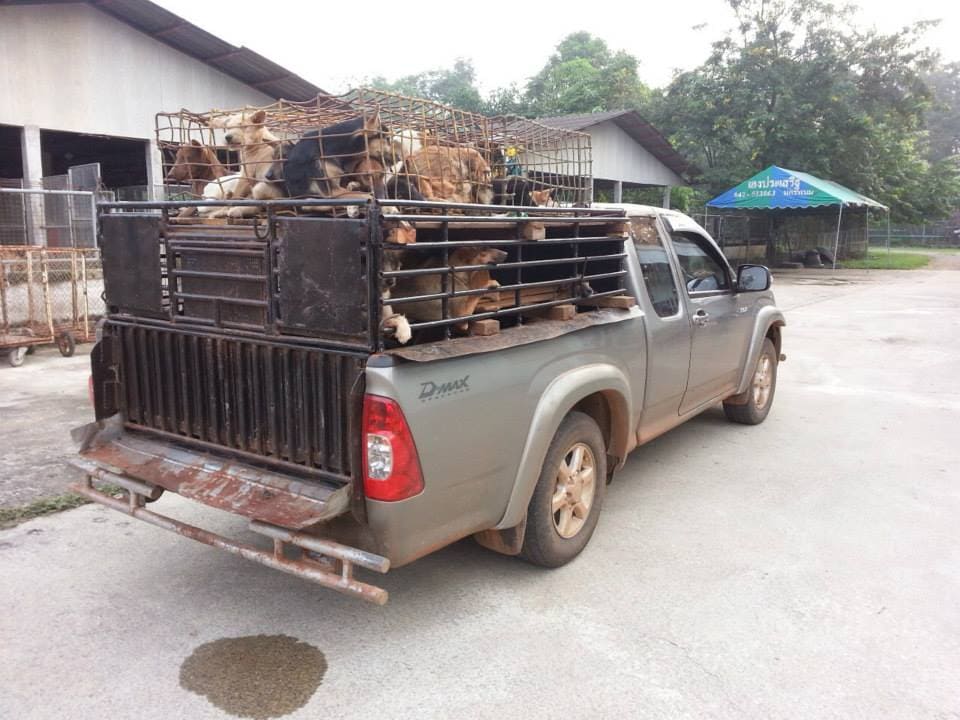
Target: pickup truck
point(243, 367)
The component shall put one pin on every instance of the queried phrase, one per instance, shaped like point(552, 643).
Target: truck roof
point(678, 221)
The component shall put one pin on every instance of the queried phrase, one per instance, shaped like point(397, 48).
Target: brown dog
point(246, 132)
point(198, 165)
point(463, 280)
point(454, 174)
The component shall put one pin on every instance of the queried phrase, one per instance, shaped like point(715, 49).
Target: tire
point(556, 533)
point(16, 356)
point(753, 406)
point(66, 344)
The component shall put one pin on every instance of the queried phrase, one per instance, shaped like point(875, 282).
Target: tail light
point(391, 466)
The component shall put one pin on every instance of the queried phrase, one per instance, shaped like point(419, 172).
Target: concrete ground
point(805, 568)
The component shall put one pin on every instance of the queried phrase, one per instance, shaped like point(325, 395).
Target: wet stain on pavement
point(258, 676)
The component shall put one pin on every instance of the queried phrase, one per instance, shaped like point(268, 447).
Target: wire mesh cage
point(370, 142)
point(49, 293)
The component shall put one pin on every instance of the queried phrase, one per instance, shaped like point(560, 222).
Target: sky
point(337, 49)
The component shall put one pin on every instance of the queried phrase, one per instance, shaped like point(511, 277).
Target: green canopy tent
point(777, 188)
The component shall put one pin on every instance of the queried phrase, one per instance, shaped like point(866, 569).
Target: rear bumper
point(142, 466)
point(210, 478)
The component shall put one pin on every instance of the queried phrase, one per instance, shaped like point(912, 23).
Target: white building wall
point(71, 67)
point(617, 156)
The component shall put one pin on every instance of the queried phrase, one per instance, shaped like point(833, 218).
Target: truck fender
point(558, 399)
point(768, 317)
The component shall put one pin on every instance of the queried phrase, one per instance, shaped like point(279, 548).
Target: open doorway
point(11, 154)
point(123, 162)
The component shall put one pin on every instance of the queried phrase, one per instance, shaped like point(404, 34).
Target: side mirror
point(753, 278)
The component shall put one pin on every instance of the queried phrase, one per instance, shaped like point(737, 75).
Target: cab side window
point(702, 271)
point(657, 275)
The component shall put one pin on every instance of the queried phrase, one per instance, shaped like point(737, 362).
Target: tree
point(583, 75)
point(798, 86)
point(943, 118)
point(455, 86)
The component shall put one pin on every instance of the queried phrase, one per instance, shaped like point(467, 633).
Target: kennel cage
point(402, 133)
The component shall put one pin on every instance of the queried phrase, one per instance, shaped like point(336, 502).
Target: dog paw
point(492, 285)
point(240, 212)
point(400, 327)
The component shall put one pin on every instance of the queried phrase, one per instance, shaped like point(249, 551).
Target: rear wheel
point(16, 356)
point(753, 406)
point(66, 344)
point(566, 502)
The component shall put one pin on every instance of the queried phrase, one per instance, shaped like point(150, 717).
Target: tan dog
point(454, 174)
point(246, 132)
point(197, 165)
point(464, 280)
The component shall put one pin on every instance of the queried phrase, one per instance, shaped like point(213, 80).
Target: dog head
point(244, 128)
point(477, 256)
point(193, 161)
point(275, 171)
point(543, 198)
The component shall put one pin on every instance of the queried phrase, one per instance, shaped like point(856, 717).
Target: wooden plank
point(561, 312)
point(612, 301)
point(484, 328)
point(533, 231)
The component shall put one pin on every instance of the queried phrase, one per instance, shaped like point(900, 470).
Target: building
point(80, 83)
point(628, 152)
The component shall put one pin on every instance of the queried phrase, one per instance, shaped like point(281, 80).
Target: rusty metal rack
point(374, 142)
point(48, 295)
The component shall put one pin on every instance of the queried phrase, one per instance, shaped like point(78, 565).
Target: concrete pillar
point(154, 171)
point(33, 207)
point(618, 191)
point(666, 197)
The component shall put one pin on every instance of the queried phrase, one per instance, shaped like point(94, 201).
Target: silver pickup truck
point(219, 378)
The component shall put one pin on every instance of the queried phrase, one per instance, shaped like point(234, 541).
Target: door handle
point(701, 318)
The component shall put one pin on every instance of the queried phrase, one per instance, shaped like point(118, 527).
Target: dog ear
point(195, 143)
point(258, 117)
point(371, 122)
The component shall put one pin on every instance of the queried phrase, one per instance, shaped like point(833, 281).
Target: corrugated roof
point(240, 63)
point(635, 125)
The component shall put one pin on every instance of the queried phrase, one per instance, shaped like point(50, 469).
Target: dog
point(521, 191)
point(199, 166)
point(323, 161)
point(453, 174)
point(247, 132)
point(464, 280)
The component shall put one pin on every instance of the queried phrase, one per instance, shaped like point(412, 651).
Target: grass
point(880, 259)
point(47, 506)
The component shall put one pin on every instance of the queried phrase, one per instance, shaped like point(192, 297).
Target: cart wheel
point(66, 344)
point(16, 356)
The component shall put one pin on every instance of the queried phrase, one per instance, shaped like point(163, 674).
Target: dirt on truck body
point(367, 378)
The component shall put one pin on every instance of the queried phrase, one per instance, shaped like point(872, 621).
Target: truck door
point(668, 329)
point(715, 320)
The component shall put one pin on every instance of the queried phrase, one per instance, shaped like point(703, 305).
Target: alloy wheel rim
point(574, 491)
point(762, 382)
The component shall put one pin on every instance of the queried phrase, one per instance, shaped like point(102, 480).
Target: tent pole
point(836, 244)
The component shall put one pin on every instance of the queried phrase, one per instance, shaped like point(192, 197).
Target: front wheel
point(753, 406)
point(566, 502)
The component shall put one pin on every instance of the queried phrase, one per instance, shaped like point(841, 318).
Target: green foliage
point(798, 86)
point(582, 76)
point(10, 516)
point(878, 259)
point(455, 86)
point(943, 118)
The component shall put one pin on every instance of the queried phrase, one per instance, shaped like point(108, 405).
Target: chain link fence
point(48, 217)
